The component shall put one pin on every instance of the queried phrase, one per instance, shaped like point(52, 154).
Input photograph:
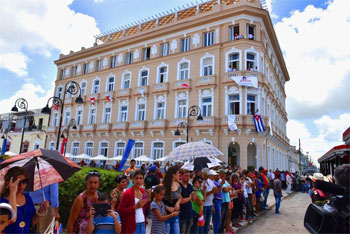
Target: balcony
point(104, 127)
point(89, 128)
point(163, 123)
point(140, 125)
point(69, 101)
point(207, 121)
point(123, 93)
point(121, 126)
point(206, 81)
point(174, 122)
point(104, 96)
point(141, 91)
point(228, 75)
point(181, 84)
point(96, 96)
point(161, 88)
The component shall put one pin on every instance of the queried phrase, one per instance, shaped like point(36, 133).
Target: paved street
point(290, 220)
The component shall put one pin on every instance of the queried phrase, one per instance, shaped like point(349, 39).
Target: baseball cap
point(211, 172)
point(223, 171)
point(153, 168)
point(206, 171)
point(8, 207)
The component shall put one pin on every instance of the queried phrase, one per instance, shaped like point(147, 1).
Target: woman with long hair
point(133, 205)
point(80, 211)
point(172, 198)
point(16, 180)
point(116, 194)
point(238, 201)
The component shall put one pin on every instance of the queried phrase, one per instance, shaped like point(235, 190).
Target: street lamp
point(192, 111)
point(72, 88)
point(66, 130)
point(21, 103)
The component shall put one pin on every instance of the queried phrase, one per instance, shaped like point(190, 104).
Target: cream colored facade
point(34, 138)
point(152, 94)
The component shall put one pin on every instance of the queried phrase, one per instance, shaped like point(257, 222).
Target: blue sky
point(39, 30)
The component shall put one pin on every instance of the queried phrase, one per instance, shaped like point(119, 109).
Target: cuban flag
point(92, 100)
point(259, 126)
point(108, 97)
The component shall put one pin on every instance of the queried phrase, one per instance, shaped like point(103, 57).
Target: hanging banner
point(249, 81)
point(128, 148)
point(231, 121)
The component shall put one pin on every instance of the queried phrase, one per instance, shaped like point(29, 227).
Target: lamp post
point(192, 111)
point(66, 130)
point(72, 88)
point(21, 103)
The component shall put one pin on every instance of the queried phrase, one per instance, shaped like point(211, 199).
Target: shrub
point(72, 187)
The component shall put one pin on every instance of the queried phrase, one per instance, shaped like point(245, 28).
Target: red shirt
point(265, 180)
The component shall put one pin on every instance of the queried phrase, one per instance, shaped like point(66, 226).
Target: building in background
point(336, 156)
point(293, 159)
point(140, 81)
point(11, 125)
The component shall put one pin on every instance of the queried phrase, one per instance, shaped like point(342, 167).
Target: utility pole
point(299, 158)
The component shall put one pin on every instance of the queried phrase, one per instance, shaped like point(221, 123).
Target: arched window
point(119, 148)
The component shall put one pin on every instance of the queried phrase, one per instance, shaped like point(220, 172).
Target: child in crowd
point(110, 223)
point(158, 211)
point(6, 215)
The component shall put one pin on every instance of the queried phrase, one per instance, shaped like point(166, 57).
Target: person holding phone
point(105, 220)
point(133, 205)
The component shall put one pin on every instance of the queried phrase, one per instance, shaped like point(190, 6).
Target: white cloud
point(98, 1)
point(43, 26)
point(314, 43)
point(35, 95)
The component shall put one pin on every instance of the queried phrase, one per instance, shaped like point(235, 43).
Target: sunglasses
point(95, 173)
point(23, 182)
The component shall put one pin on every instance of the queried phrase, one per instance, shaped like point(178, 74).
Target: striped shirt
point(158, 227)
point(105, 224)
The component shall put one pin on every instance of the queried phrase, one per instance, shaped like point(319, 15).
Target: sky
point(313, 36)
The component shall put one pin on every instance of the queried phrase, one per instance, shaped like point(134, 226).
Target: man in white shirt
point(247, 193)
point(289, 181)
point(209, 188)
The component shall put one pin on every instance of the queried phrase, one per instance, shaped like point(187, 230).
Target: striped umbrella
point(193, 150)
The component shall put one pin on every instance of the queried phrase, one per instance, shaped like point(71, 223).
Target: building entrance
point(251, 149)
point(233, 154)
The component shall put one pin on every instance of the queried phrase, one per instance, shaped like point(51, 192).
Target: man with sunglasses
point(50, 194)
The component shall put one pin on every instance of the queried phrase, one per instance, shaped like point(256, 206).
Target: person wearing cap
point(209, 188)
point(152, 179)
point(6, 215)
point(318, 197)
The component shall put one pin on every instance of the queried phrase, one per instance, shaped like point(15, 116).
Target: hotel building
point(139, 81)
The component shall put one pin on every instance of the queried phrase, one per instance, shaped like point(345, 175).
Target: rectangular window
point(233, 104)
point(59, 92)
point(207, 106)
point(89, 149)
point(92, 116)
point(158, 150)
point(208, 67)
point(123, 114)
point(110, 84)
point(160, 110)
point(234, 33)
point(104, 149)
point(163, 72)
point(182, 108)
point(99, 65)
point(144, 78)
point(141, 112)
point(233, 62)
point(66, 118)
point(83, 88)
point(96, 87)
point(208, 39)
point(165, 49)
point(250, 32)
point(55, 120)
point(75, 148)
point(128, 58)
point(107, 115)
point(138, 149)
point(250, 104)
point(79, 117)
point(184, 71)
point(52, 146)
point(126, 81)
point(86, 68)
point(146, 53)
point(185, 44)
point(120, 148)
point(113, 62)
point(74, 71)
point(251, 62)
point(62, 74)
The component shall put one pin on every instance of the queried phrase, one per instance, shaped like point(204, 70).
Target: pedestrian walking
point(277, 191)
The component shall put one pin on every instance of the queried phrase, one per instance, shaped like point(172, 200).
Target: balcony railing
point(158, 123)
point(206, 81)
point(162, 87)
point(138, 125)
point(104, 127)
point(123, 93)
point(141, 91)
point(120, 126)
point(89, 127)
point(207, 121)
point(181, 84)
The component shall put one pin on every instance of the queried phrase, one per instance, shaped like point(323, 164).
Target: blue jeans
point(224, 210)
point(195, 228)
point(207, 210)
point(304, 188)
point(248, 208)
point(278, 203)
point(140, 228)
point(172, 225)
point(266, 195)
point(217, 215)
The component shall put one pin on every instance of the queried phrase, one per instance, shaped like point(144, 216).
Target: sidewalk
point(271, 205)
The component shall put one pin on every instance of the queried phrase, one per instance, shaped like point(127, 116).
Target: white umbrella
point(68, 155)
point(161, 159)
point(9, 153)
point(99, 157)
point(82, 156)
point(143, 158)
point(117, 158)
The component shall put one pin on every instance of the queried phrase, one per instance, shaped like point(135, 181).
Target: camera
point(332, 217)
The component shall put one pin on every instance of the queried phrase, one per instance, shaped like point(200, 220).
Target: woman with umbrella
point(16, 180)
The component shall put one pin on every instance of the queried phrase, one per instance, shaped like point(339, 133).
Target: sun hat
point(211, 172)
point(8, 207)
point(318, 176)
point(206, 171)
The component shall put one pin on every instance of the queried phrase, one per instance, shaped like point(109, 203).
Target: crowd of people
point(181, 201)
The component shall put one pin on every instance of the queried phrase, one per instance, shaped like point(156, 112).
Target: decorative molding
point(198, 132)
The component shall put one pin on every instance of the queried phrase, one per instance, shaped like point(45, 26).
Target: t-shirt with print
point(105, 224)
point(210, 186)
point(158, 227)
point(186, 209)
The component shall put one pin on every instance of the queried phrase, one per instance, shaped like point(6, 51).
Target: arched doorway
point(251, 149)
point(233, 158)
